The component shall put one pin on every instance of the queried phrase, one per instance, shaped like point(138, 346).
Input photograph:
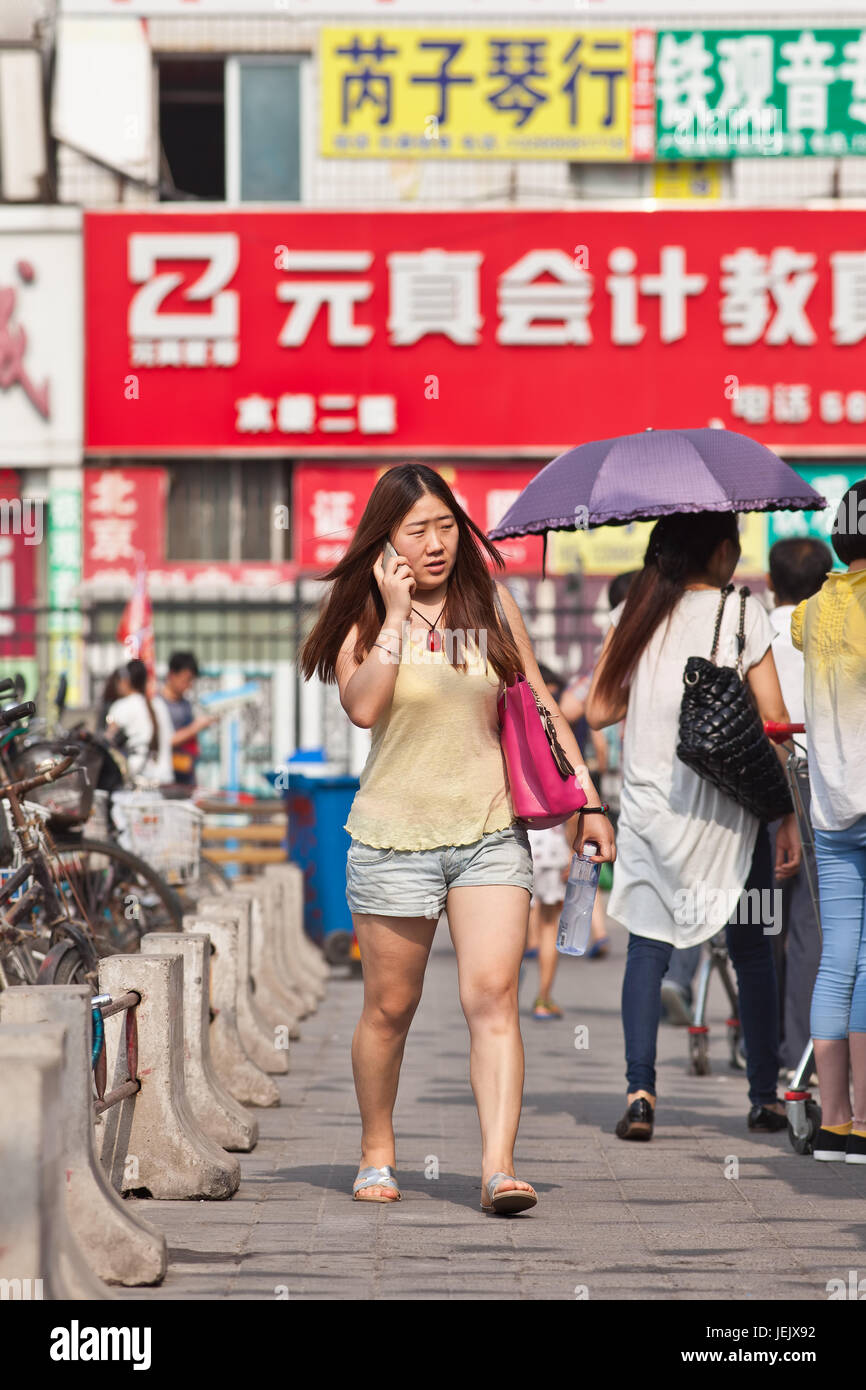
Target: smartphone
point(388, 553)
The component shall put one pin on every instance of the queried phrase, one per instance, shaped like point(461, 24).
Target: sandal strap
point(492, 1183)
point(375, 1177)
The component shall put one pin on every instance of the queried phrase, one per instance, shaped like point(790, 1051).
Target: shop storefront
point(282, 358)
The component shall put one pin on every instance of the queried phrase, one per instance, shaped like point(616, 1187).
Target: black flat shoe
point(829, 1147)
point(637, 1122)
point(767, 1120)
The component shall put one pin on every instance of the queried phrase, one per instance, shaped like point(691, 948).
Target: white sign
point(41, 337)
point(386, 10)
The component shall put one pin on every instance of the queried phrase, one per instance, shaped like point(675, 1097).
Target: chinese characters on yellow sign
point(488, 94)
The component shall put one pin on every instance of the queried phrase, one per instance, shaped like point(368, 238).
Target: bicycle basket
point(165, 833)
point(69, 800)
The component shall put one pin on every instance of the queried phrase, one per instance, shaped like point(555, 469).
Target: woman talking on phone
point(413, 640)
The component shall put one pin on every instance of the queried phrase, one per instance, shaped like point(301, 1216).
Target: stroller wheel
point(804, 1142)
point(699, 1053)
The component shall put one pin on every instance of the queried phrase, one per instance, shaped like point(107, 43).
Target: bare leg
point(598, 924)
point(532, 929)
point(831, 1063)
point(488, 928)
point(548, 921)
point(394, 952)
point(857, 1046)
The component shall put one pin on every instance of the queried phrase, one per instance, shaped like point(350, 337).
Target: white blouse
point(684, 848)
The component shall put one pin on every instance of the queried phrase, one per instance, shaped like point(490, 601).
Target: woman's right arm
point(367, 687)
point(600, 713)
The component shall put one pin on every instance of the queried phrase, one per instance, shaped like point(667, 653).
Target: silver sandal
point(376, 1177)
point(514, 1199)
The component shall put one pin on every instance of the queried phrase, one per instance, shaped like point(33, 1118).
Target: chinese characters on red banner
point(473, 332)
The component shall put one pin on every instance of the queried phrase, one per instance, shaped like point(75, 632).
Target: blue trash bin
point(318, 808)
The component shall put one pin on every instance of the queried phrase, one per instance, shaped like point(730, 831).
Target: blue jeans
point(751, 954)
point(839, 997)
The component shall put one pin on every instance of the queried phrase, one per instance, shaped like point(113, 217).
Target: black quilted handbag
point(721, 736)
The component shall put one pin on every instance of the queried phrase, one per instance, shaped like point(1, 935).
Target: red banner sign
point(124, 518)
point(377, 333)
point(21, 531)
point(328, 504)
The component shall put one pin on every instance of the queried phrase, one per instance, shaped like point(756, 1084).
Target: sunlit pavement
point(706, 1210)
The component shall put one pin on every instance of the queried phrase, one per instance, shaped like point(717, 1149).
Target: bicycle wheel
point(64, 965)
point(121, 896)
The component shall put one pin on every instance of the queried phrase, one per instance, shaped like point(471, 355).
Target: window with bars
point(225, 509)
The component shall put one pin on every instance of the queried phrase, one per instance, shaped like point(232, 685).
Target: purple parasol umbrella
point(639, 477)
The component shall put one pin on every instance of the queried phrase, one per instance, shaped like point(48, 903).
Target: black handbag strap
point(741, 629)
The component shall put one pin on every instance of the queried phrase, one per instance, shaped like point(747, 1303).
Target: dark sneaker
point(637, 1122)
point(829, 1147)
point(768, 1121)
point(855, 1147)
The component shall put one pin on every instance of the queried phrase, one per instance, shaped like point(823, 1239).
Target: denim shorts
point(415, 883)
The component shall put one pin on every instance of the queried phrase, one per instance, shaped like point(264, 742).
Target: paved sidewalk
point(626, 1221)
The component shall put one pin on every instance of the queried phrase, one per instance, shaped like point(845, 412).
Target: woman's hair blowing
point(355, 598)
point(679, 547)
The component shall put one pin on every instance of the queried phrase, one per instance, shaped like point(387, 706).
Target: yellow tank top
point(435, 774)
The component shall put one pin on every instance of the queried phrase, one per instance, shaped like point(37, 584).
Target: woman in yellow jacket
point(830, 630)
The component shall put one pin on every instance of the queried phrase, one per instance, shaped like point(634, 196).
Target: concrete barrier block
point(266, 1045)
point(150, 1142)
point(298, 951)
point(39, 1256)
point(213, 1108)
point(279, 1000)
point(232, 1063)
point(117, 1245)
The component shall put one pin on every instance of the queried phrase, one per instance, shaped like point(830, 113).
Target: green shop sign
point(724, 93)
point(832, 480)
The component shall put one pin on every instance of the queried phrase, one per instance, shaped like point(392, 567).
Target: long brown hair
point(355, 597)
point(679, 547)
point(136, 673)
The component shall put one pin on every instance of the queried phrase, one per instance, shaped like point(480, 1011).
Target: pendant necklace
point(434, 641)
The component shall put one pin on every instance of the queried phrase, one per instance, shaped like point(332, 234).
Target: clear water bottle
point(574, 924)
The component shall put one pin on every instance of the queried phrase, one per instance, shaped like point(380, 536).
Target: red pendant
point(434, 641)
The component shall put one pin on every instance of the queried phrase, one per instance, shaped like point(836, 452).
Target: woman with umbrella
point(681, 838)
point(679, 835)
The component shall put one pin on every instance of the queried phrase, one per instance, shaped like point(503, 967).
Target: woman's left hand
point(599, 831)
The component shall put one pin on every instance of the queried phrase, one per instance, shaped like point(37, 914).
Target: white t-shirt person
point(679, 839)
point(132, 716)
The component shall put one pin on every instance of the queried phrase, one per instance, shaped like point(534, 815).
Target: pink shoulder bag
point(540, 777)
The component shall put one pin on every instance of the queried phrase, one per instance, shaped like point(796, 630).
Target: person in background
point(606, 747)
point(551, 857)
point(798, 568)
point(111, 691)
point(182, 671)
point(147, 730)
point(830, 630)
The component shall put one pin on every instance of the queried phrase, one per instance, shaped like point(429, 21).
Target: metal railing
point(103, 1007)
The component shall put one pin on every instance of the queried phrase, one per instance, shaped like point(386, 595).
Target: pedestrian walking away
point(411, 634)
point(681, 839)
point(798, 567)
point(830, 630)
